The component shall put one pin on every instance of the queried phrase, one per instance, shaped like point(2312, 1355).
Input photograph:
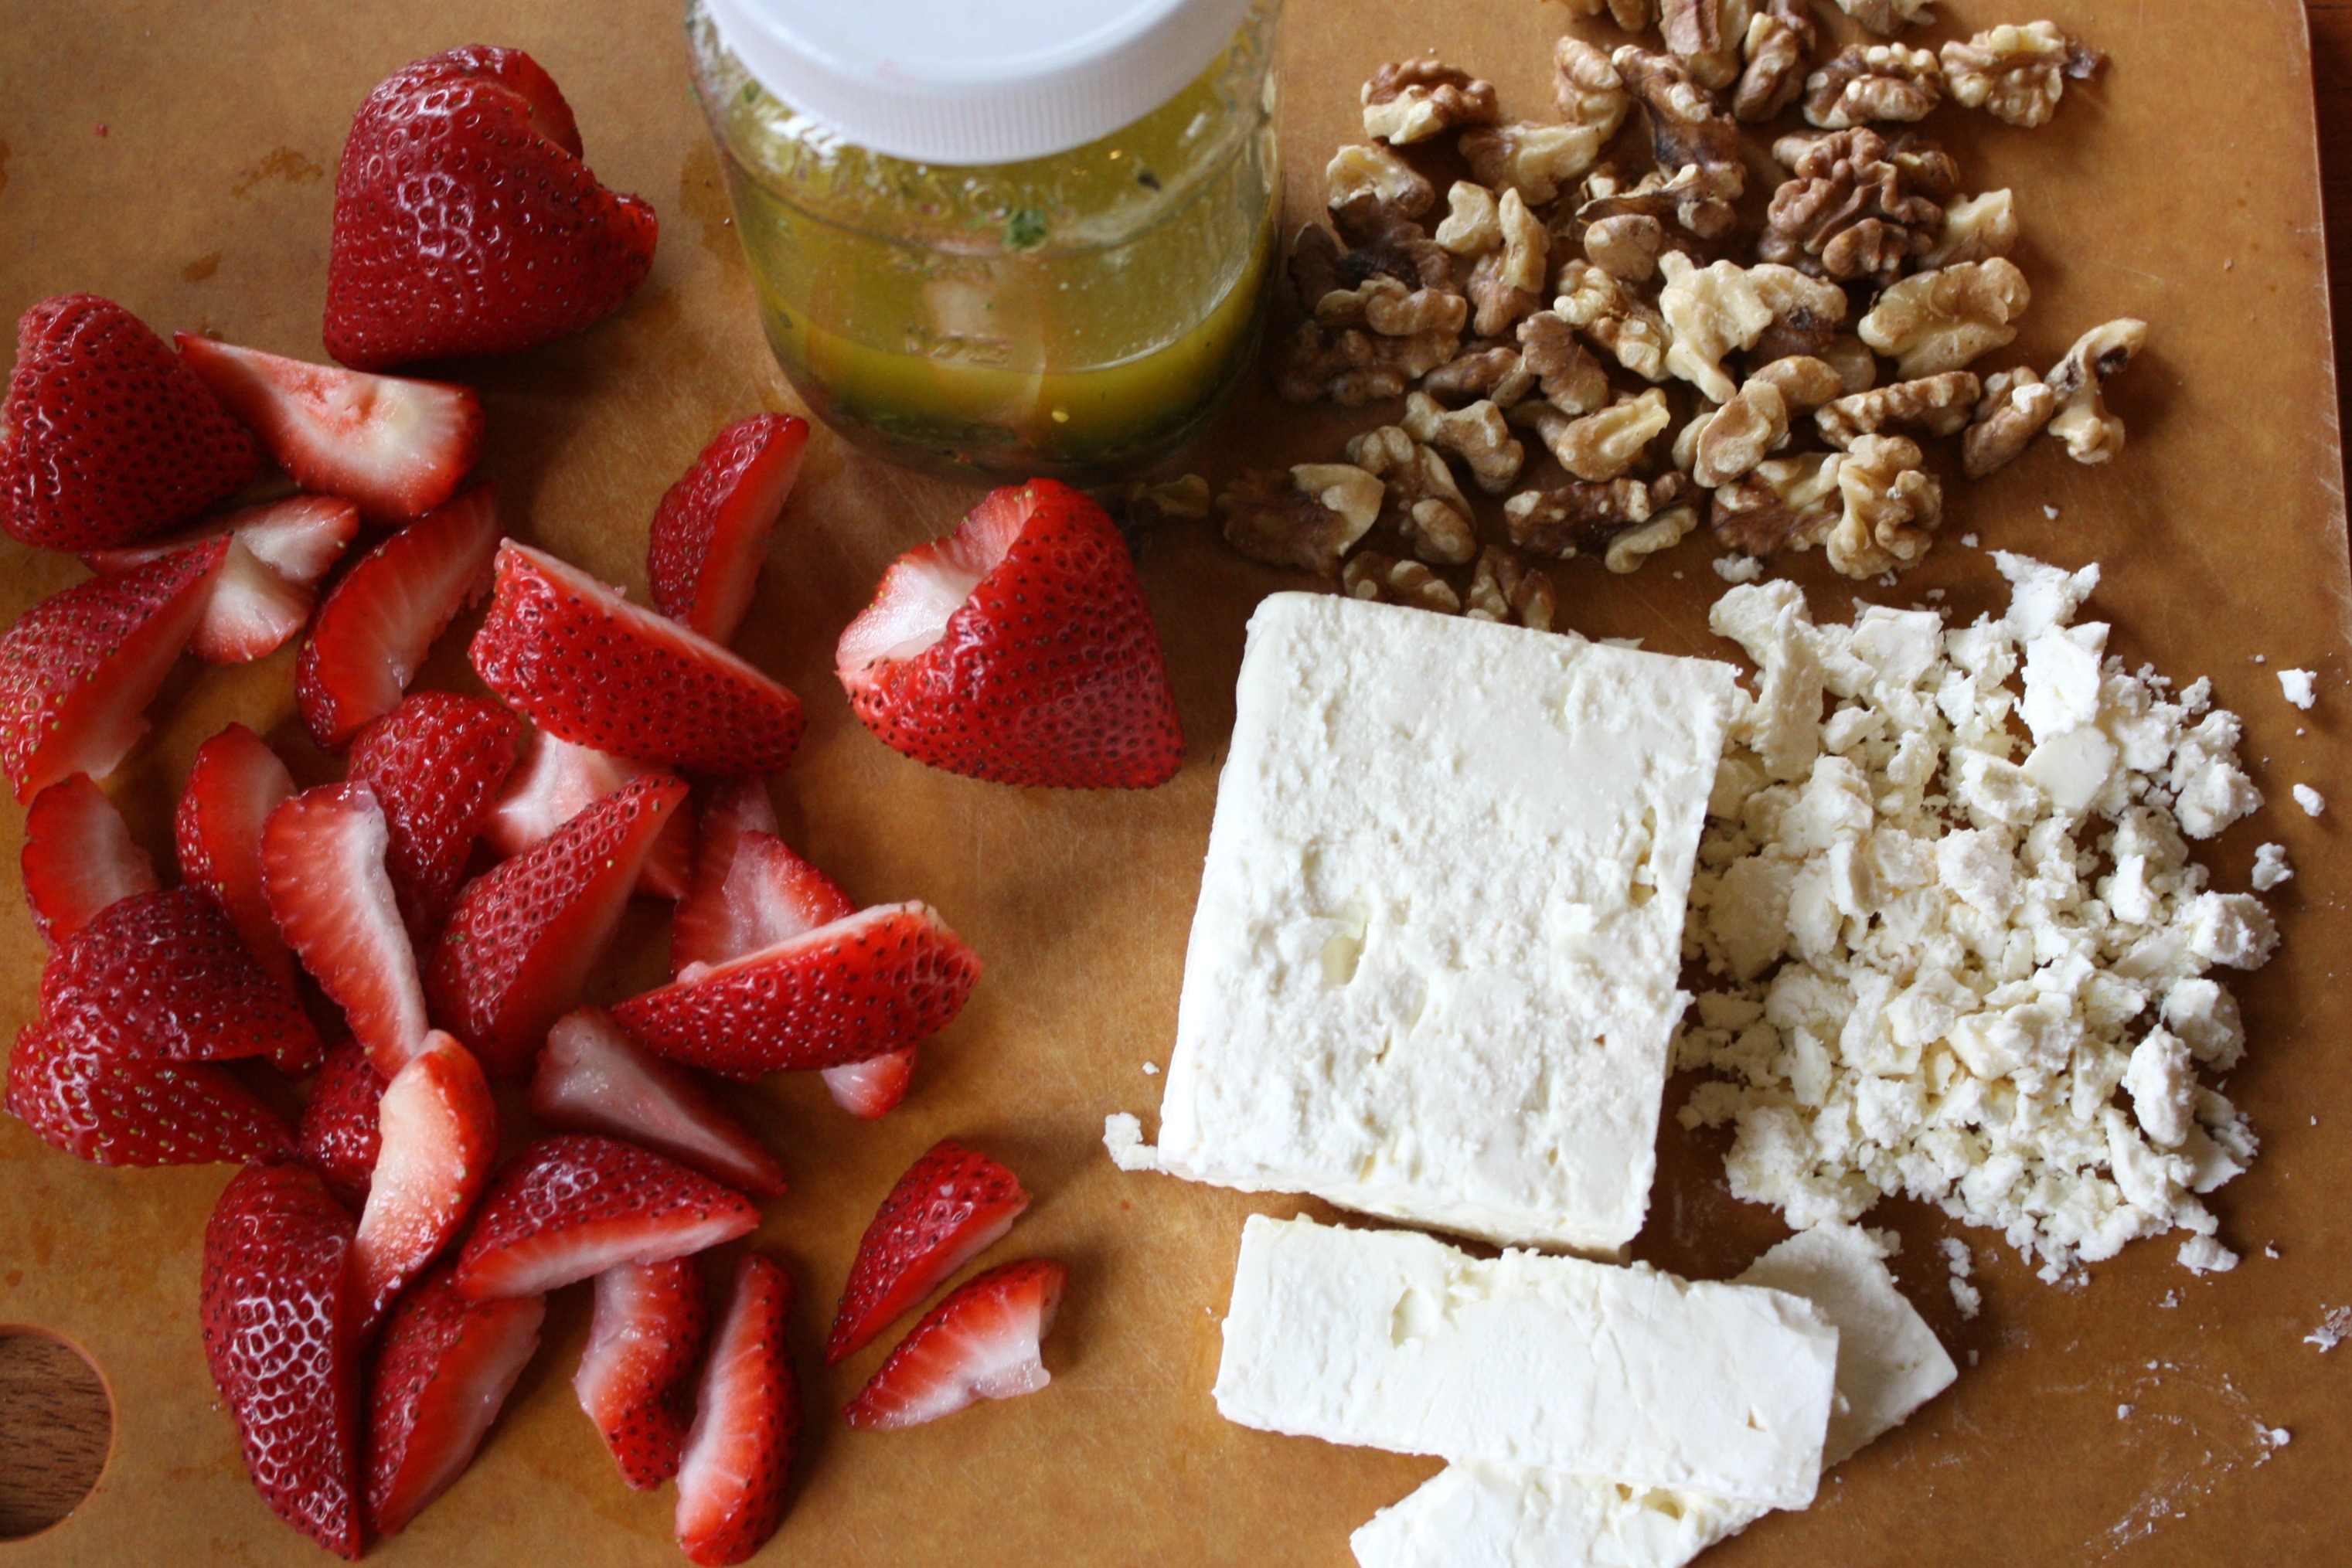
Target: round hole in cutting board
point(57, 1424)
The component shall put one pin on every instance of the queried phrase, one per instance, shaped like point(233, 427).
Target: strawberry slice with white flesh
point(711, 532)
point(952, 1205)
point(523, 937)
point(556, 781)
point(252, 612)
point(300, 537)
point(322, 866)
point(375, 630)
point(443, 1371)
point(981, 1343)
point(78, 669)
point(572, 1205)
point(438, 1133)
point(398, 447)
point(747, 1422)
point(236, 781)
point(78, 857)
point(637, 1377)
point(871, 1088)
point(591, 1078)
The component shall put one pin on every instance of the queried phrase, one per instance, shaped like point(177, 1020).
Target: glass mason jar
point(1077, 311)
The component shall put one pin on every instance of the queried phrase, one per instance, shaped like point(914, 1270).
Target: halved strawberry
point(591, 1078)
point(711, 532)
point(767, 894)
point(398, 447)
point(235, 783)
point(465, 221)
point(376, 628)
point(746, 1421)
point(252, 612)
point(165, 974)
point(871, 1088)
point(438, 1133)
point(107, 437)
point(300, 537)
point(981, 1343)
point(951, 1205)
point(78, 857)
point(442, 1370)
point(636, 1378)
point(275, 1295)
point(77, 669)
point(73, 1087)
point(339, 1136)
point(585, 664)
point(725, 809)
point(883, 980)
point(557, 780)
point(322, 864)
point(576, 1204)
point(435, 764)
point(1019, 649)
point(519, 944)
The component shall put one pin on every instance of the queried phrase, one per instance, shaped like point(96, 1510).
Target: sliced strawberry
point(767, 894)
point(871, 1088)
point(438, 1132)
point(636, 1378)
point(585, 664)
point(252, 612)
point(300, 537)
point(951, 1205)
point(557, 780)
point(591, 1078)
point(107, 438)
point(442, 1370)
point(746, 1421)
point(339, 1138)
point(576, 1204)
point(69, 1084)
point(166, 976)
point(77, 669)
point(376, 628)
point(275, 1295)
point(397, 447)
point(885, 978)
point(981, 1343)
point(78, 857)
point(436, 765)
point(322, 864)
point(524, 936)
point(235, 783)
point(711, 532)
point(1019, 649)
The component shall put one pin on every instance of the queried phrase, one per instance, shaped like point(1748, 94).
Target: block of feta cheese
point(1432, 969)
point(1390, 1339)
point(1889, 1362)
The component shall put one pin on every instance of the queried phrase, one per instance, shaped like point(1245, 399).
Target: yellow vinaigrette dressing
point(1079, 314)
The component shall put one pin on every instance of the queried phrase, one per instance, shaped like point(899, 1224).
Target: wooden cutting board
point(178, 156)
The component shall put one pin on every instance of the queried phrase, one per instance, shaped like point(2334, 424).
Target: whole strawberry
point(465, 221)
point(107, 438)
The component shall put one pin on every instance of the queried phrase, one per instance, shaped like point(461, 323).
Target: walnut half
point(1412, 100)
point(1430, 508)
point(1477, 434)
point(1882, 82)
point(2018, 74)
point(1787, 503)
point(1940, 320)
point(1779, 39)
point(1932, 405)
point(1578, 516)
point(2016, 407)
point(1392, 582)
point(1503, 588)
point(1308, 517)
point(1891, 508)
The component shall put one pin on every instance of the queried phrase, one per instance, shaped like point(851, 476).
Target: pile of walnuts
point(1601, 299)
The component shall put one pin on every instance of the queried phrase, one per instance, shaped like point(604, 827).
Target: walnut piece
point(1352, 367)
point(1892, 507)
point(1507, 284)
point(1778, 39)
point(1602, 446)
point(1613, 319)
point(1308, 517)
point(1382, 239)
point(1144, 504)
point(1631, 15)
point(1739, 435)
point(2018, 74)
point(1882, 82)
point(1696, 199)
point(1849, 210)
point(1787, 503)
point(1628, 550)
point(1888, 17)
point(1534, 160)
point(1391, 309)
point(1626, 247)
point(1573, 519)
point(1477, 434)
point(1472, 223)
point(1503, 588)
point(1720, 308)
point(1571, 379)
point(2015, 408)
point(1803, 381)
point(1586, 88)
point(1496, 372)
point(1975, 228)
point(1427, 506)
point(1938, 322)
point(1687, 126)
point(1392, 582)
point(2093, 434)
point(1933, 405)
point(1412, 100)
point(1706, 36)
point(1360, 171)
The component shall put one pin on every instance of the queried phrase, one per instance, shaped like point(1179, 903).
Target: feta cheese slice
point(1390, 1339)
point(1433, 970)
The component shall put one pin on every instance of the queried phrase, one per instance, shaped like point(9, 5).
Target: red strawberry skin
point(437, 1131)
point(322, 856)
point(443, 1369)
point(67, 1083)
point(107, 438)
point(166, 976)
point(1049, 673)
point(732, 1469)
point(519, 946)
point(710, 531)
point(77, 669)
point(339, 1136)
point(274, 1303)
point(591, 1078)
point(589, 667)
point(235, 783)
point(465, 221)
point(78, 857)
point(435, 764)
point(637, 1377)
point(979, 1343)
point(951, 1205)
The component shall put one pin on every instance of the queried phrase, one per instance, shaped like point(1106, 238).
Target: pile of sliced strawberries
point(402, 935)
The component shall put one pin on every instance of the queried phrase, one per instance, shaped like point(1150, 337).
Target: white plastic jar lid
point(976, 81)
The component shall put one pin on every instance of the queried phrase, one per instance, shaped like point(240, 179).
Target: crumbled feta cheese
point(2299, 686)
point(2310, 799)
point(1123, 1137)
point(2203, 1255)
point(1738, 567)
point(2335, 1328)
point(2270, 868)
point(1151, 1069)
point(1967, 1298)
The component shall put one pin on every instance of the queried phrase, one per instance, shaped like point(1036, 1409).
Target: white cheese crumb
point(2270, 1249)
point(2123, 1412)
point(2050, 512)
point(1738, 567)
point(1151, 1069)
point(2335, 1328)
point(2279, 1437)
point(1969, 540)
point(1123, 1137)
point(2310, 799)
point(2299, 686)
point(2203, 1255)
point(2270, 867)
point(2261, 659)
point(1967, 1298)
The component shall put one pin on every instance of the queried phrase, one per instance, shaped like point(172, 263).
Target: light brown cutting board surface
point(179, 157)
